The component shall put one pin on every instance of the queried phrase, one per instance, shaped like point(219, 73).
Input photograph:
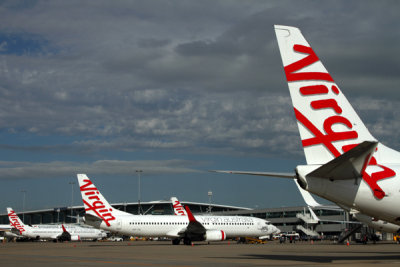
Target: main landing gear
point(176, 241)
point(187, 241)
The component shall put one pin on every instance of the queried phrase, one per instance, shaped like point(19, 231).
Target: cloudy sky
point(176, 88)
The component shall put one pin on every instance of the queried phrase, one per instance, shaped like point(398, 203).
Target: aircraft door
point(119, 225)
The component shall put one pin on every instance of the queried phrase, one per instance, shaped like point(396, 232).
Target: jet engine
point(215, 235)
point(75, 238)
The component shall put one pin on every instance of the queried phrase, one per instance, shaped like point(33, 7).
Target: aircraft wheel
point(187, 241)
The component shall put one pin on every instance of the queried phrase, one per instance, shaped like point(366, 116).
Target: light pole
point(139, 172)
point(72, 196)
point(209, 200)
point(58, 215)
point(23, 205)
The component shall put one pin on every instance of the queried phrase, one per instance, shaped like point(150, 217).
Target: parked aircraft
point(6, 230)
point(345, 163)
point(100, 214)
point(5, 227)
point(52, 232)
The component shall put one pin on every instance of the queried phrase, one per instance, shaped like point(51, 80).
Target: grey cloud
point(216, 123)
point(152, 43)
point(29, 170)
point(206, 49)
point(178, 79)
point(137, 77)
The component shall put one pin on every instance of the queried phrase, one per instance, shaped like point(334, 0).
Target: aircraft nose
point(276, 230)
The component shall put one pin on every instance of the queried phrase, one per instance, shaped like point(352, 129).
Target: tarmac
point(227, 253)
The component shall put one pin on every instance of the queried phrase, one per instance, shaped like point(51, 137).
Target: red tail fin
point(190, 215)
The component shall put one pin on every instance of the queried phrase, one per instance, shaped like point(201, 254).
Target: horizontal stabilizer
point(271, 174)
point(90, 217)
point(349, 165)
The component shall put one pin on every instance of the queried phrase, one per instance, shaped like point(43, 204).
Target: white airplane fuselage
point(53, 231)
point(171, 225)
point(359, 197)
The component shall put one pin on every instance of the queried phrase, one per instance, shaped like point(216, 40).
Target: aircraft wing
point(15, 231)
point(176, 233)
point(54, 237)
point(93, 218)
point(270, 174)
point(5, 227)
point(346, 166)
point(194, 227)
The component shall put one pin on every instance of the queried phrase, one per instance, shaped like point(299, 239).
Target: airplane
point(100, 214)
point(368, 220)
point(8, 231)
point(5, 227)
point(345, 163)
point(52, 232)
point(178, 208)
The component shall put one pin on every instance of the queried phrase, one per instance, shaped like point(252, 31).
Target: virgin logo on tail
point(329, 136)
point(15, 222)
point(178, 208)
point(94, 203)
point(310, 59)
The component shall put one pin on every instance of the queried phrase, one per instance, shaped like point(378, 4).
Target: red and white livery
point(100, 214)
point(56, 232)
point(345, 163)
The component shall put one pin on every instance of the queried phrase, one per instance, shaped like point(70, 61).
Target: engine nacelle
point(215, 235)
point(75, 238)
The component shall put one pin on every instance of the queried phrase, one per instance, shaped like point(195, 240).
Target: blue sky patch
point(23, 44)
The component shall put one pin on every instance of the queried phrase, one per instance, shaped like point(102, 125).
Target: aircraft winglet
point(194, 226)
point(190, 215)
